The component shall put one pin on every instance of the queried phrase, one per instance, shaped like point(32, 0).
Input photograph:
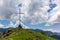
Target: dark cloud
point(8, 9)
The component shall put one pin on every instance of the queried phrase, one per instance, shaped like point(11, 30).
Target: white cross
point(19, 13)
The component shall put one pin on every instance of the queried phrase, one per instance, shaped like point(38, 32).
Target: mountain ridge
point(23, 34)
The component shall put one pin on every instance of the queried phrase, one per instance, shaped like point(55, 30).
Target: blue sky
point(33, 26)
point(4, 22)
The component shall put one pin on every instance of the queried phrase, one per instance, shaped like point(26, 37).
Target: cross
point(20, 5)
point(20, 13)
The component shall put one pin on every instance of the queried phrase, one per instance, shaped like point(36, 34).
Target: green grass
point(24, 34)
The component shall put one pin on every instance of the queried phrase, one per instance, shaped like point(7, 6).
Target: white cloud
point(24, 26)
point(37, 11)
point(52, 30)
point(34, 11)
point(16, 25)
point(54, 15)
point(1, 3)
point(1, 25)
point(8, 8)
point(34, 15)
point(11, 25)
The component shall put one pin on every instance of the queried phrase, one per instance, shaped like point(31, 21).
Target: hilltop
point(23, 34)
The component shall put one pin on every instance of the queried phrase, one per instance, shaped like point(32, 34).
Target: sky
point(37, 14)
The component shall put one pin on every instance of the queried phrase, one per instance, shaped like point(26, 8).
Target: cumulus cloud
point(52, 30)
point(34, 11)
point(11, 25)
point(1, 26)
point(54, 15)
point(24, 26)
point(37, 11)
point(7, 9)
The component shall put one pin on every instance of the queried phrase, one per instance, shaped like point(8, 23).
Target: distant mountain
point(3, 29)
point(37, 30)
point(49, 33)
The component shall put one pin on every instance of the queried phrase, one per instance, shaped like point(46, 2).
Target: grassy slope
point(23, 34)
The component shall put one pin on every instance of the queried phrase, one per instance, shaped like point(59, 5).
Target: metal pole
point(20, 15)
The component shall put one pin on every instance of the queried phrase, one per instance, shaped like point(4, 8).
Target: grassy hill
point(24, 34)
